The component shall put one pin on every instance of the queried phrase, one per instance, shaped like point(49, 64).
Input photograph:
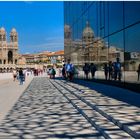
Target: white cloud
point(28, 2)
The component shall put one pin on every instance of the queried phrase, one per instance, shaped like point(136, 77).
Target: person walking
point(93, 70)
point(21, 76)
point(138, 71)
point(64, 71)
point(106, 70)
point(110, 70)
point(86, 70)
point(117, 70)
point(69, 70)
point(53, 72)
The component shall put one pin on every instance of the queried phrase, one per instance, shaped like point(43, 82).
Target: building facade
point(8, 50)
point(89, 49)
point(11, 59)
point(44, 58)
point(112, 31)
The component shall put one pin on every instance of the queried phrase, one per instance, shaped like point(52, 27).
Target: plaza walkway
point(10, 91)
point(51, 108)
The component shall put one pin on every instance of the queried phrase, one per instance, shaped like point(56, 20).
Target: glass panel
point(93, 18)
point(106, 21)
point(132, 52)
point(116, 51)
point(132, 10)
point(115, 16)
point(106, 18)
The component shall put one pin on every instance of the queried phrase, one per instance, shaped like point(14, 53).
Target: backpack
point(69, 67)
point(53, 72)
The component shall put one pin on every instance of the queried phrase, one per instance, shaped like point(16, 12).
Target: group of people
point(19, 74)
point(113, 70)
point(38, 72)
point(68, 71)
point(51, 72)
point(87, 68)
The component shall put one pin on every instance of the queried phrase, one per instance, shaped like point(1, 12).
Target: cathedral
point(8, 50)
point(89, 49)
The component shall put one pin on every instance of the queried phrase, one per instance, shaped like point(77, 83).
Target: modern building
point(101, 31)
point(89, 49)
point(8, 50)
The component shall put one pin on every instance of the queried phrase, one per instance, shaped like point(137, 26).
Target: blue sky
point(39, 25)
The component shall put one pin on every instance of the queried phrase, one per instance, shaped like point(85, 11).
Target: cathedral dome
point(88, 32)
point(13, 30)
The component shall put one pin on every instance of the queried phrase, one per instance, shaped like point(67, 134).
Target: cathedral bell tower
point(3, 46)
point(13, 36)
point(13, 47)
point(2, 35)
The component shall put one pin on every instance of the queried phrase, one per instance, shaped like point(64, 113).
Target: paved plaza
point(10, 91)
point(55, 108)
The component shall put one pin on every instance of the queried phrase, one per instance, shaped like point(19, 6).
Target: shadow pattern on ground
point(42, 112)
point(125, 113)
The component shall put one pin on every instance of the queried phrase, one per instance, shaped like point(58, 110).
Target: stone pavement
point(120, 106)
point(60, 109)
point(10, 91)
point(42, 112)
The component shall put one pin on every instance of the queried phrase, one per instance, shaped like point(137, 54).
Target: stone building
point(45, 57)
point(8, 50)
point(89, 48)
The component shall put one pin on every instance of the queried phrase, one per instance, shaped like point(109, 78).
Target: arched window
point(10, 57)
point(15, 61)
point(15, 38)
point(4, 62)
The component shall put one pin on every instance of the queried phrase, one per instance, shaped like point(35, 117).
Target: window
point(4, 61)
